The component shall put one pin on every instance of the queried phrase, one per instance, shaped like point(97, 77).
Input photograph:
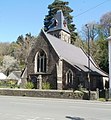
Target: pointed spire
point(59, 23)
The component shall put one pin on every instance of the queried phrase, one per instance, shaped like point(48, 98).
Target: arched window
point(40, 61)
point(69, 77)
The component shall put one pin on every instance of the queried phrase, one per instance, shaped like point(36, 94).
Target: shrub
point(81, 88)
point(11, 83)
point(46, 85)
point(2, 84)
point(78, 94)
point(29, 85)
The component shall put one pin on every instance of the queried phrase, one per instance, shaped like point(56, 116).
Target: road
point(31, 108)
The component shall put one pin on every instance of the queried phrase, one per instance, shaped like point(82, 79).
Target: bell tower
point(59, 27)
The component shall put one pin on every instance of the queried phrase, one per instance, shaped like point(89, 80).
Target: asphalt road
point(28, 108)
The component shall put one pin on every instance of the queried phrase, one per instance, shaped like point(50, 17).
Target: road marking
point(39, 118)
point(34, 118)
point(49, 119)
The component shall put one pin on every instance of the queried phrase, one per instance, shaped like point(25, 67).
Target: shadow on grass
point(74, 118)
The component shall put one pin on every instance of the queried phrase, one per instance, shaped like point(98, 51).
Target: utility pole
point(88, 38)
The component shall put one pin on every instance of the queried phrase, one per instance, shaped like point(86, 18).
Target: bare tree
point(9, 64)
point(105, 22)
point(90, 30)
point(4, 48)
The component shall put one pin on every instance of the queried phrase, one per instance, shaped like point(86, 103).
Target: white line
point(49, 118)
point(34, 118)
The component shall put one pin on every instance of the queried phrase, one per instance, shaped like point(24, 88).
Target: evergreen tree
point(102, 54)
point(53, 8)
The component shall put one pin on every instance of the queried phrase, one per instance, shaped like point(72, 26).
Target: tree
point(53, 8)
point(90, 34)
point(102, 54)
point(4, 49)
point(23, 47)
point(98, 47)
point(20, 40)
point(98, 43)
point(105, 22)
point(90, 30)
point(9, 64)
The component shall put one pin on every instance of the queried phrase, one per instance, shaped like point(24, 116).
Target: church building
point(54, 60)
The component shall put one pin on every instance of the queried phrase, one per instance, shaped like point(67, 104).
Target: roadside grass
point(104, 100)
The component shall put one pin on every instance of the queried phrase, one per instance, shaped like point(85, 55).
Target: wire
point(92, 8)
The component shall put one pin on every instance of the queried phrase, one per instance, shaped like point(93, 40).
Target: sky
point(19, 17)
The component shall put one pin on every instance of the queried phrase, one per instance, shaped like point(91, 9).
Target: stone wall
point(48, 93)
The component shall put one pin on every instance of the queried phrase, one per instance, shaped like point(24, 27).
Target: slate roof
point(60, 25)
point(2, 76)
point(15, 75)
point(73, 55)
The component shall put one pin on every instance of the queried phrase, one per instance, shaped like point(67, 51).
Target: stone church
point(55, 60)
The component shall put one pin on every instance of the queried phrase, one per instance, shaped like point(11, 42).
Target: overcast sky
point(18, 17)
